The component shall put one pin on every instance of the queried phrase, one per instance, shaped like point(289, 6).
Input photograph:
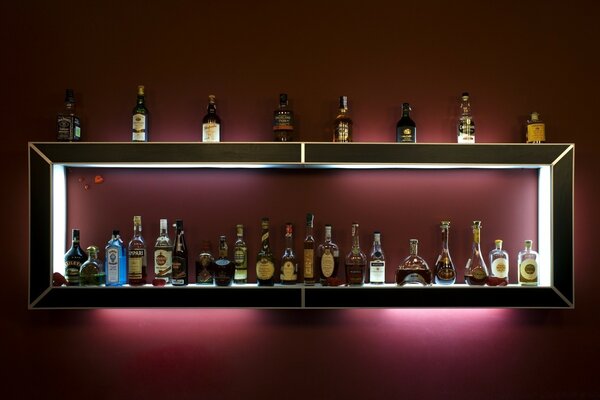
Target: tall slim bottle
point(211, 123)
point(377, 261)
point(163, 254)
point(342, 131)
point(308, 266)
point(328, 257)
point(224, 267)
point(240, 257)
point(68, 123)
point(115, 262)
point(466, 125)
point(179, 276)
point(528, 265)
point(74, 257)
point(289, 264)
point(283, 121)
point(140, 117)
point(406, 129)
point(265, 262)
point(137, 257)
point(476, 272)
point(445, 273)
point(356, 261)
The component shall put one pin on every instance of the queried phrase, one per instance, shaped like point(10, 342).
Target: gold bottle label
point(309, 262)
point(265, 269)
point(288, 271)
point(536, 133)
point(135, 268)
point(500, 268)
point(327, 264)
point(528, 270)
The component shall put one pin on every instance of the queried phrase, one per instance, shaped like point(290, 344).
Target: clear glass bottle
point(528, 265)
point(466, 125)
point(137, 261)
point(74, 257)
point(68, 124)
point(328, 257)
point(476, 272)
point(92, 271)
point(343, 123)
point(211, 123)
point(179, 276)
point(283, 121)
point(406, 129)
point(224, 267)
point(115, 262)
point(163, 254)
point(414, 269)
point(289, 264)
point(445, 273)
point(140, 118)
point(205, 265)
point(536, 129)
point(265, 262)
point(377, 261)
point(309, 273)
point(498, 265)
point(240, 257)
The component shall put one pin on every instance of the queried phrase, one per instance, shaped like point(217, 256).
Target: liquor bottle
point(224, 267)
point(466, 125)
point(205, 265)
point(342, 131)
point(528, 265)
point(240, 257)
point(92, 271)
point(163, 254)
point(498, 265)
point(74, 257)
point(328, 257)
point(414, 269)
point(283, 121)
point(445, 273)
point(308, 267)
point(211, 123)
point(476, 272)
point(265, 263)
point(289, 265)
point(406, 130)
point(141, 118)
point(115, 263)
point(137, 262)
point(68, 124)
point(377, 261)
point(179, 276)
point(356, 261)
point(536, 129)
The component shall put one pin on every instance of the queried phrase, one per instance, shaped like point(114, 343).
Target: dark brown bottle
point(179, 276)
point(445, 273)
point(224, 267)
point(289, 264)
point(74, 257)
point(265, 262)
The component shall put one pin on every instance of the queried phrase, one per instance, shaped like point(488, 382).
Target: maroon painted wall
point(514, 57)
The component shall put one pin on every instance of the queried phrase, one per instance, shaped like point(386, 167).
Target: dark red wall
point(514, 57)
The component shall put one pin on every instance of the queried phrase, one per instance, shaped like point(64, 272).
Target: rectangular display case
point(49, 163)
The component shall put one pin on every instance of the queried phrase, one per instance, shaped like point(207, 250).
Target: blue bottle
point(115, 262)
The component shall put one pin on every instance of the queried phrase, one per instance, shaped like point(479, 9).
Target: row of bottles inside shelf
point(320, 264)
point(69, 125)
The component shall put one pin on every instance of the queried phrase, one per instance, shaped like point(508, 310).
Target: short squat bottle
point(342, 131)
point(224, 267)
point(414, 270)
point(356, 261)
point(115, 262)
point(406, 130)
point(68, 123)
point(466, 124)
point(74, 257)
point(536, 129)
point(498, 265)
point(377, 261)
point(476, 272)
point(211, 123)
point(92, 271)
point(445, 273)
point(528, 265)
point(140, 118)
point(283, 121)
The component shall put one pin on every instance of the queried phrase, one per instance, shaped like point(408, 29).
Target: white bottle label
point(288, 272)
point(163, 263)
point(528, 270)
point(112, 265)
point(139, 128)
point(500, 267)
point(211, 132)
point(377, 271)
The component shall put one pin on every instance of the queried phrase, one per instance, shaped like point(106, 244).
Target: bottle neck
point(223, 248)
point(414, 247)
point(140, 99)
point(265, 236)
point(137, 230)
point(328, 234)
point(355, 239)
point(445, 232)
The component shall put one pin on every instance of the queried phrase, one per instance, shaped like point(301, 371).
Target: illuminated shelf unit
point(47, 230)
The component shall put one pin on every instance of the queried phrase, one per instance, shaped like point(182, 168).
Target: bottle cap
point(137, 220)
point(343, 101)
point(406, 105)
point(93, 251)
point(211, 98)
point(498, 242)
point(535, 116)
point(140, 90)
point(69, 96)
point(116, 232)
point(465, 94)
point(163, 224)
point(178, 224)
point(528, 243)
point(445, 224)
point(283, 98)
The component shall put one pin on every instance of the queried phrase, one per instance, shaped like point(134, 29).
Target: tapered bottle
point(163, 254)
point(328, 258)
point(528, 265)
point(289, 264)
point(137, 257)
point(414, 270)
point(377, 261)
point(476, 272)
point(211, 123)
point(466, 124)
point(179, 276)
point(74, 257)
point(205, 265)
point(308, 267)
point(141, 118)
point(68, 123)
point(356, 261)
point(115, 262)
point(92, 271)
point(224, 267)
point(283, 121)
point(406, 129)
point(498, 265)
point(342, 131)
point(265, 262)
point(240, 257)
point(445, 273)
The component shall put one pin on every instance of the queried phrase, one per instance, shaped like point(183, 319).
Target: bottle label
point(139, 128)
point(500, 267)
point(446, 273)
point(327, 264)
point(163, 263)
point(536, 133)
point(407, 135)
point(377, 271)
point(112, 265)
point(240, 274)
point(72, 272)
point(342, 132)
point(64, 125)
point(76, 129)
point(288, 271)
point(211, 132)
point(309, 263)
point(528, 270)
point(265, 269)
point(240, 258)
point(479, 273)
point(283, 122)
point(179, 266)
point(466, 131)
point(135, 267)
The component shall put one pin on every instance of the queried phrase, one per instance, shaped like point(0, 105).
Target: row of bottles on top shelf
point(128, 264)
point(69, 125)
